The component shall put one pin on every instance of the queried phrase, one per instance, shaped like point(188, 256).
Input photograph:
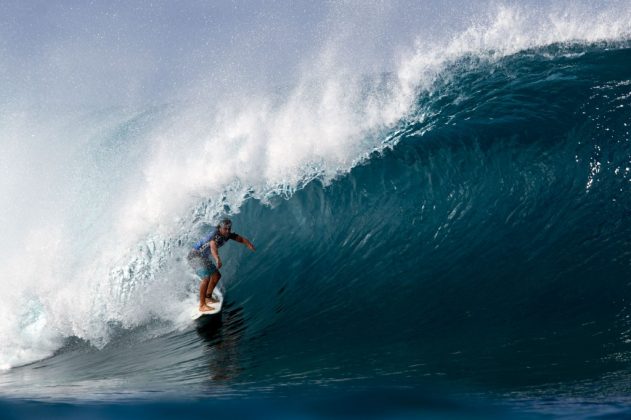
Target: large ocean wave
point(463, 217)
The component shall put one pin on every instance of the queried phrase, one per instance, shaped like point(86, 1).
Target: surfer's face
point(225, 230)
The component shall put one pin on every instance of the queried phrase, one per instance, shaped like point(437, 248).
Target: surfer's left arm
point(244, 241)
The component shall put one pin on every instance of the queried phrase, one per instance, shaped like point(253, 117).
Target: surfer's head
point(225, 226)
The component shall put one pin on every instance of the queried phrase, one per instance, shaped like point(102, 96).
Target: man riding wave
point(200, 259)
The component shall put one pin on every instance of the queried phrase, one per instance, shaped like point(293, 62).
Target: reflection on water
point(200, 361)
point(222, 334)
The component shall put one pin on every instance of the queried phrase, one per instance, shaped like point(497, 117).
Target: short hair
point(225, 223)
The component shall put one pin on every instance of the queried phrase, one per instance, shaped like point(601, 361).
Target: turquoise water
point(443, 235)
point(480, 265)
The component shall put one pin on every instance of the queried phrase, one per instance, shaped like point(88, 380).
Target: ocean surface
point(448, 240)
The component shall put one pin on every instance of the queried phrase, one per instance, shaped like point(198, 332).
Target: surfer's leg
point(214, 279)
point(202, 295)
point(205, 270)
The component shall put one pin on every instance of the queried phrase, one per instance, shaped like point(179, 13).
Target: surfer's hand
point(251, 247)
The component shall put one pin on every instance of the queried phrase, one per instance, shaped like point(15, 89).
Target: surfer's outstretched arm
point(245, 242)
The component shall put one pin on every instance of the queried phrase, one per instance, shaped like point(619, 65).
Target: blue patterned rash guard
point(203, 246)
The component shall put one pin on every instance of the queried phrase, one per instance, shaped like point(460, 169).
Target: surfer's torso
point(203, 246)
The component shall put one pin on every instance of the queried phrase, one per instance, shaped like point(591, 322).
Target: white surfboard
point(195, 314)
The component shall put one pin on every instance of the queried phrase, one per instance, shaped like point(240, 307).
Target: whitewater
point(451, 213)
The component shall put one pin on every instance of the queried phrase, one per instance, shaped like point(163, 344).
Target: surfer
point(200, 259)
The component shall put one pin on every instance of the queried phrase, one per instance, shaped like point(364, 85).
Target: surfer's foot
point(206, 308)
point(211, 300)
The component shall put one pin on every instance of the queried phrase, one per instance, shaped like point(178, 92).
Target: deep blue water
point(478, 267)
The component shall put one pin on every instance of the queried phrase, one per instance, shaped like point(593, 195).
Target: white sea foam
point(95, 201)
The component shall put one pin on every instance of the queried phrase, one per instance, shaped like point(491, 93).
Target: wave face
point(463, 222)
point(489, 245)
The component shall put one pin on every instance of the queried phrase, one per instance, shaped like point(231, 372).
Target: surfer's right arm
point(215, 253)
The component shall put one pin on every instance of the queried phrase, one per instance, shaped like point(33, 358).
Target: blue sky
point(142, 48)
point(112, 52)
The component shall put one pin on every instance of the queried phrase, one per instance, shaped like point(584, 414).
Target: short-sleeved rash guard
point(203, 246)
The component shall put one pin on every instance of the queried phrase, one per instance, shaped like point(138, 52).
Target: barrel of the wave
point(205, 260)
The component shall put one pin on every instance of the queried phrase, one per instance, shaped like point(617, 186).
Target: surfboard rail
point(196, 313)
